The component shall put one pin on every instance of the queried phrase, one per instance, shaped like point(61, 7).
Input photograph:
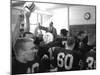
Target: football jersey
point(62, 42)
point(90, 60)
point(45, 55)
point(24, 68)
point(18, 67)
point(45, 48)
point(66, 60)
point(33, 67)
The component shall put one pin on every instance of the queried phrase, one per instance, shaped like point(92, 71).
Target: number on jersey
point(32, 69)
point(51, 52)
point(65, 44)
point(62, 61)
point(91, 63)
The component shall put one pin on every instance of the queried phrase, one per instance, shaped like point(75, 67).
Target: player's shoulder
point(60, 38)
point(48, 45)
point(77, 52)
point(68, 51)
point(91, 53)
point(63, 39)
point(43, 47)
point(36, 60)
point(59, 49)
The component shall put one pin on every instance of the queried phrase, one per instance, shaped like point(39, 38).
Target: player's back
point(45, 53)
point(90, 60)
point(66, 60)
point(61, 41)
point(44, 48)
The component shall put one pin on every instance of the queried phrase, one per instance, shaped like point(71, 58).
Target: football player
point(45, 51)
point(25, 60)
point(90, 59)
point(81, 42)
point(66, 59)
point(62, 39)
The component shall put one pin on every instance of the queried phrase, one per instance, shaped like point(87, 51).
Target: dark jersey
point(66, 60)
point(34, 66)
point(90, 60)
point(24, 68)
point(18, 67)
point(44, 48)
point(38, 40)
point(61, 42)
point(45, 55)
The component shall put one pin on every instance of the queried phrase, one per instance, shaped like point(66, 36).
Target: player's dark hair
point(25, 33)
point(64, 32)
point(80, 32)
point(51, 22)
point(70, 41)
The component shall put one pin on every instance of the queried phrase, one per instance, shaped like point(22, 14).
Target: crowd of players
point(52, 54)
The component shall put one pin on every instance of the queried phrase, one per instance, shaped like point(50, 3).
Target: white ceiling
point(41, 5)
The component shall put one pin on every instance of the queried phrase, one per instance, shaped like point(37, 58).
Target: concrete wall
point(76, 15)
point(78, 23)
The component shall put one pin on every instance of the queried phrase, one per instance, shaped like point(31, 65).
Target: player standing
point(90, 59)
point(25, 60)
point(66, 59)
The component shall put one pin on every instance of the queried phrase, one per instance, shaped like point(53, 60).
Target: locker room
point(52, 37)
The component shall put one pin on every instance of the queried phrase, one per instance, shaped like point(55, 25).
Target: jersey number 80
point(62, 61)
